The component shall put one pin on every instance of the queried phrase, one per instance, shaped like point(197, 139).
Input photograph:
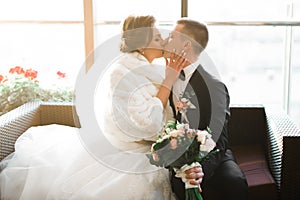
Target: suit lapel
point(172, 103)
point(197, 92)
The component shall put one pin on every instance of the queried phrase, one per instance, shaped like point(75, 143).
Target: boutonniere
point(183, 105)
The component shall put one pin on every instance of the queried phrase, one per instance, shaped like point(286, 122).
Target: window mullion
point(88, 33)
point(184, 8)
point(287, 61)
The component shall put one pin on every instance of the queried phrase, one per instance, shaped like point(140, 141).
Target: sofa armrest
point(278, 135)
point(284, 158)
point(16, 122)
point(58, 113)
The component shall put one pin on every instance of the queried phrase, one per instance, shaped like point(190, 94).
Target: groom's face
point(174, 43)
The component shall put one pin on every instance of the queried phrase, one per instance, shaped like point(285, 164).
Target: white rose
point(180, 126)
point(208, 145)
point(201, 136)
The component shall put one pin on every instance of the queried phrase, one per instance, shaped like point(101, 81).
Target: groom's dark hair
point(197, 31)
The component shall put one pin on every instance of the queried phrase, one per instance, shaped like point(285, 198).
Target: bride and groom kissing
point(139, 99)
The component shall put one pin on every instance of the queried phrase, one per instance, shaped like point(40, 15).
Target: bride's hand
point(195, 175)
point(174, 66)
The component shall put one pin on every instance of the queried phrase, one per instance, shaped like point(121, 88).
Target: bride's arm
point(148, 115)
point(137, 102)
point(150, 112)
point(173, 69)
point(135, 106)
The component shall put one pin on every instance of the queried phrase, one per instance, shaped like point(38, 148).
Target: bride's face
point(155, 47)
point(174, 43)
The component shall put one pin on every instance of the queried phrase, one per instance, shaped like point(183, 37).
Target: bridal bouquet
point(180, 148)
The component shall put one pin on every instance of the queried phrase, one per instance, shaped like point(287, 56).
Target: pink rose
point(155, 157)
point(176, 133)
point(185, 104)
point(179, 105)
point(173, 143)
point(191, 133)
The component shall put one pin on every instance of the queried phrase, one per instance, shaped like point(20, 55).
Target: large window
point(294, 108)
point(237, 10)
point(47, 36)
point(116, 10)
point(46, 10)
point(249, 60)
point(251, 44)
point(107, 16)
point(254, 49)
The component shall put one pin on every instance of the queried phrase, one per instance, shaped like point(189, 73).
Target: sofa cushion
point(252, 161)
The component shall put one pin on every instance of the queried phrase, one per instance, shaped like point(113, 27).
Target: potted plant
point(21, 85)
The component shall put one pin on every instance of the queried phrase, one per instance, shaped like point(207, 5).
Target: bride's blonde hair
point(136, 33)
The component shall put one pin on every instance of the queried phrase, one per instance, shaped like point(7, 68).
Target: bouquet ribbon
point(180, 173)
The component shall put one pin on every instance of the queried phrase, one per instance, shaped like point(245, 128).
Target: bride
point(50, 161)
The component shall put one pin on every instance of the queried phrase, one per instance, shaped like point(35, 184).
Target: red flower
point(31, 74)
point(60, 74)
point(1, 78)
point(17, 69)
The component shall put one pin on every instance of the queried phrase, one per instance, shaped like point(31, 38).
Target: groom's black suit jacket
point(211, 98)
point(212, 110)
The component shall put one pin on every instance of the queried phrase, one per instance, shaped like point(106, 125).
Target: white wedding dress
point(51, 161)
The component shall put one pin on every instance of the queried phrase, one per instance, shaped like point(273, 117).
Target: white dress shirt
point(180, 85)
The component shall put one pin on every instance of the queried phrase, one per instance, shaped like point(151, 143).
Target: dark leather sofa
point(265, 144)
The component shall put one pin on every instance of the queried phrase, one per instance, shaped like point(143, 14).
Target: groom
point(222, 175)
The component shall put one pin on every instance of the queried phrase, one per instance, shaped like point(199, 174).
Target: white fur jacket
point(129, 113)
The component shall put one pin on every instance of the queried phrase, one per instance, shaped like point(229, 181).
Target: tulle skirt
point(50, 162)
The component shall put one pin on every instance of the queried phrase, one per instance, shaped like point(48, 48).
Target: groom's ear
point(187, 45)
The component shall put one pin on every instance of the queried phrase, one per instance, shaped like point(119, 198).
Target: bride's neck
point(148, 57)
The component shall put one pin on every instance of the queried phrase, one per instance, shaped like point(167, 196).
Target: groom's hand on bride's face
point(195, 175)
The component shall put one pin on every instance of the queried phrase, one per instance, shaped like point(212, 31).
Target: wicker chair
point(17, 121)
point(277, 137)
